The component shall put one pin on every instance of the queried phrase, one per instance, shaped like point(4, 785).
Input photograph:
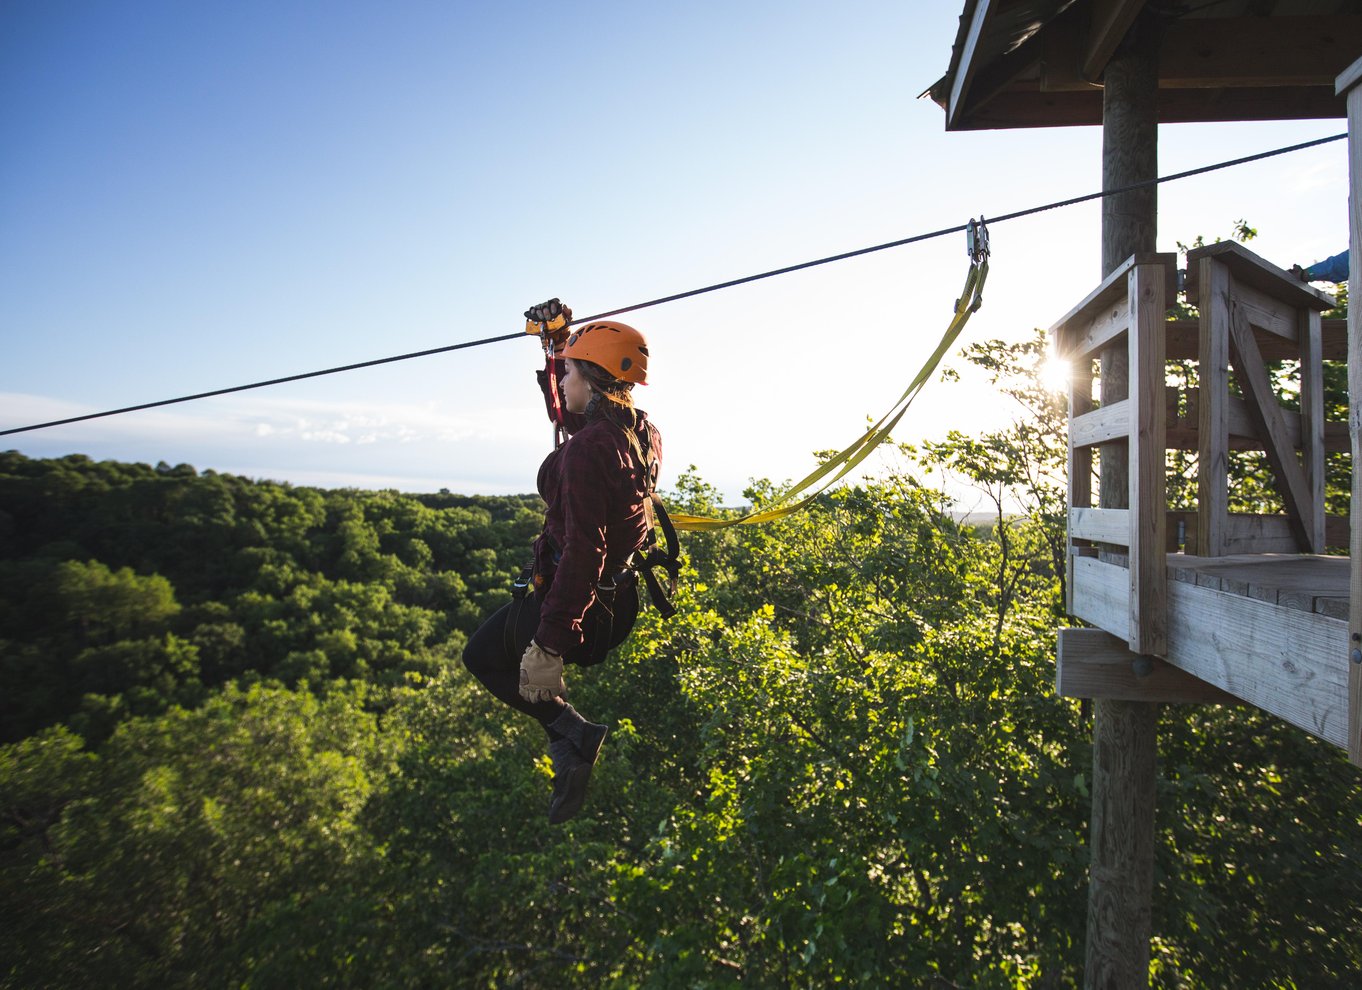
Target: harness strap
point(559, 430)
point(651, 555)
point(519, 590)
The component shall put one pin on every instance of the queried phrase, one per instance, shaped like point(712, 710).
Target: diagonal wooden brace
point(1266, 413)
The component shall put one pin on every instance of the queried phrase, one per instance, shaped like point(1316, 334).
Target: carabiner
point(976, 240)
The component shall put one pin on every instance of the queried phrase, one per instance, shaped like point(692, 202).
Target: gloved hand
point(541, 674)
point(553, 319)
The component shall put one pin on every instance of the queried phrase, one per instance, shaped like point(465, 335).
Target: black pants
point(493, 654)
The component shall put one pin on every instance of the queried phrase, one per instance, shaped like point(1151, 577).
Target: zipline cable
point(731, 283)
point(272, 381)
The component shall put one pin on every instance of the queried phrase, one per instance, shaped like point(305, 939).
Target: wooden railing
point(1250, 313)
point(1129, 306)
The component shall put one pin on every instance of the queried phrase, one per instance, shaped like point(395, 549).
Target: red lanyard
point(558, 428)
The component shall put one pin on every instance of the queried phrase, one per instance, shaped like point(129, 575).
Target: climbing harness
point(839, 465)
point(607, 622)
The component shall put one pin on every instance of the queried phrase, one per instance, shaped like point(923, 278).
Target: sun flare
point(1053, 373)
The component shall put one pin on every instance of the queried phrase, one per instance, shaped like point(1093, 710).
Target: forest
point(238, 748)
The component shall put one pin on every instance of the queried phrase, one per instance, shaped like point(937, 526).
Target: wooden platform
point(1269, 629)
point(1308, 582)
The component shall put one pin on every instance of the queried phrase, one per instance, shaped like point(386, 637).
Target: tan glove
point(541, 674)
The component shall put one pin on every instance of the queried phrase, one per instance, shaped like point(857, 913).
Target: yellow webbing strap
point(824, 477)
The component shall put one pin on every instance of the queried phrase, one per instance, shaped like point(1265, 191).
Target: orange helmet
point(617, 347)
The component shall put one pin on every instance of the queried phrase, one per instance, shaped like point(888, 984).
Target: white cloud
point(411, 446)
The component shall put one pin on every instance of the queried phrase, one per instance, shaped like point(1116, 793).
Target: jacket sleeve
point(1334, 269)
point(572, 422)
point(588, 469)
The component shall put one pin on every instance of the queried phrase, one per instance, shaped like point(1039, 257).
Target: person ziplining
point(578, 599)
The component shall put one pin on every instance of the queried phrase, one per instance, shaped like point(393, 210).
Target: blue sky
point(198, 195)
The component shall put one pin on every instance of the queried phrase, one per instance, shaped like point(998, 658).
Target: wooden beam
point(1348, 85)
point(1086, 338)
point(1287, 661)
point(1272, 316)
point(1093, 663)
point(1184, 106)
point(1148, 466)
point(1284, 660)
point(968, 65)
point(1250, 533)
point(1267, 413)
point(1104, 307)
point(1121, 843)
point(1111, 20)
point(1343, 86)
point(1079, 458)
point(1100, 525)
point(1001, 72)
point(1062, 45)
point(1101, 594)
point(1213, 459)
point(1310, 434)
point(1221, 52)
point(1182, 342)
point(1024, 105)
point(1102, 425)
point(1249, 269)
point(1183, 433)
point(1124, 774)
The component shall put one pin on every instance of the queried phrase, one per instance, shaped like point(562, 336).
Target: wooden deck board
point(1285, 659)
point(1309, 582)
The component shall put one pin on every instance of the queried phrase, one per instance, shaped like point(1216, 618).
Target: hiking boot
point(572, 763)
point(569, 791)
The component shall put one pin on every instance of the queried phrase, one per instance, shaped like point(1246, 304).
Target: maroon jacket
point(595, 490)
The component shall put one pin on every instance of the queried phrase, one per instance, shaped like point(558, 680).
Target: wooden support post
point(1312, 421)
point(1213, 431)
point(1121, 869)
point(1121, 876)
point(1351, 83)
point(1148, 515)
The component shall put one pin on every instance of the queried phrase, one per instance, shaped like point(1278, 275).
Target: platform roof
point(1039, 63)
